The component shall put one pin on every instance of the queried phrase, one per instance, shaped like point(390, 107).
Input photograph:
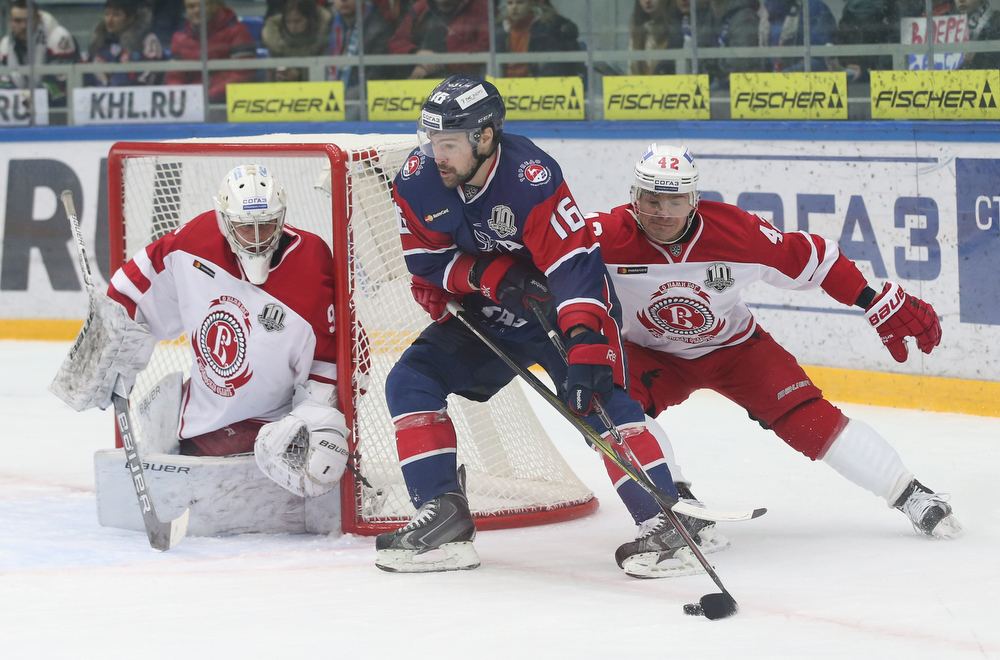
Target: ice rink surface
point(829, 572)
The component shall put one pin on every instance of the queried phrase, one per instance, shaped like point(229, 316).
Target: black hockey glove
point(590, 374)
point(509, 281)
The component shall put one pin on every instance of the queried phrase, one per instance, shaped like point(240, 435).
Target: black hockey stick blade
point(162, 535)
point(713, 606)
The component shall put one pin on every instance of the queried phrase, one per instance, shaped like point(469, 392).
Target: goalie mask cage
point(339, 187)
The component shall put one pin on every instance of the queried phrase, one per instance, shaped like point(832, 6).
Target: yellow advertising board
point(935, 94)
point(398, 100)
point(542, 98)
point(820, 95)
point(286, 101)
point(656, 97)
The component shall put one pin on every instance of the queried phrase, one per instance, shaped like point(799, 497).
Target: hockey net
point(339, 188)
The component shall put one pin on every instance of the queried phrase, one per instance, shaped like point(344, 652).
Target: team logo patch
point(203, 268)
point(413, 165)
point(221, 346)
point(502, 221)
point(533, 172)
point(271, 317)
point(720, 277)
point(676, 250)
point(681, 311)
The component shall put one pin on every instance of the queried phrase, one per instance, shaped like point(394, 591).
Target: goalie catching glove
point(306, 451)
point(896, 315)
point(110, 345)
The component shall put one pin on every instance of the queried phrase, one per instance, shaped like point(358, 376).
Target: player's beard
point(452, 177)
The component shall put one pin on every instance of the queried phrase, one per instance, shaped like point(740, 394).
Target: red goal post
point(339, 187)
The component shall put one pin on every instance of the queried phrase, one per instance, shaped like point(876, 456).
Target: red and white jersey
point(684, 298)
point(250, 344)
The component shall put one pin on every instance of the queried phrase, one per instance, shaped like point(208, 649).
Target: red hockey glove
point(432, 298)
point(509, 281)
point(897, 315)
point(590, 375)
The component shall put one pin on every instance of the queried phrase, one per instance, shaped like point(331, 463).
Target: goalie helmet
point(461, 104)
point(666, 169)
point(250, 209)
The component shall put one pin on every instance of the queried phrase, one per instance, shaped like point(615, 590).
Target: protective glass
point(664, 205)
point(442, 145)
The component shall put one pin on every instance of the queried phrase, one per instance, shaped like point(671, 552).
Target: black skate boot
point(659, 550)
point(929, 512)
point(438, 538)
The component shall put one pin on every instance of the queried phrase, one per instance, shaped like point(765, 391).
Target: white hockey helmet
point(250, 208)
point(666, 169)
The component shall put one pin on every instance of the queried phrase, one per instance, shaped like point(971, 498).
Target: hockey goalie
point(262, 390)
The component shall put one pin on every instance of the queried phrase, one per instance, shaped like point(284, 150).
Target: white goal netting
point(515, 474)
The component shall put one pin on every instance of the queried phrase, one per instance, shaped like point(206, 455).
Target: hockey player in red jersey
point(263, 376)
point(678, 266)
point(485, 217)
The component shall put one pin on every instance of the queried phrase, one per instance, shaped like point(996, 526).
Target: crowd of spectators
point(133, 31)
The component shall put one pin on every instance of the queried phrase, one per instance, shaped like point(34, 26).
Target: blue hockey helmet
point(461, 104)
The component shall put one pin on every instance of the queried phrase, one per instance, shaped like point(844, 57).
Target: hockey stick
point(712, 606)
point(162, 535)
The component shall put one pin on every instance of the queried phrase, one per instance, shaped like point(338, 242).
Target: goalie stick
point(162, 535)
point(712, 606)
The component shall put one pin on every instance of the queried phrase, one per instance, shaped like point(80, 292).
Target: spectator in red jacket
point(227, 39)
point(443, 26)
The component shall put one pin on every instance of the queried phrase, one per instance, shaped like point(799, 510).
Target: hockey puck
point(694, 609)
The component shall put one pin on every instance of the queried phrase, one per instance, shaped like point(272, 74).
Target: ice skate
point(438, 538)
point(660, 551)
point(929, 512)
point(708, 538)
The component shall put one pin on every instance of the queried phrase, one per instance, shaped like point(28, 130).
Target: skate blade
point(948, 528)
point(647, 565)
point(460, 556)
point(712, 540)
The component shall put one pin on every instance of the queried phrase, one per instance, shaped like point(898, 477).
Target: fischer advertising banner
point(788, 95)
point(656, 97)
point(286, 101)
point(924, 214)
point(935, 94)
point(542, 98)
point(152, 104)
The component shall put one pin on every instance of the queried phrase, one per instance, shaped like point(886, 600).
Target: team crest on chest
point(719, 277)
point(220, 346)
point(502, 221)
point(271, 317)
point(676, 250)
point(681, 311)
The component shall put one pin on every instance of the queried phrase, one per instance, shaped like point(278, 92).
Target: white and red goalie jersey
point(684, 298)
point(250, 344)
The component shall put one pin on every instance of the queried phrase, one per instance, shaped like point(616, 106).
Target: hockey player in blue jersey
point(485, 217)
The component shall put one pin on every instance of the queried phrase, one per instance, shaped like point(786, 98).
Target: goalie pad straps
point(109, 345)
